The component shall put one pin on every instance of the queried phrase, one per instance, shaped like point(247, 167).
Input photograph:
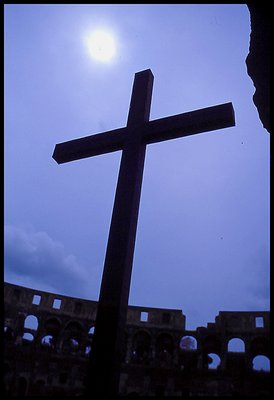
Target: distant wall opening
point(57, 304)
point(28, 337)
point(259, 322)
point(36, 299)
point(144, 316)
point(141, 347)
point(31, 322)
point(261, 363)
point(236, 345)
point(188, 343)
point(213, 361)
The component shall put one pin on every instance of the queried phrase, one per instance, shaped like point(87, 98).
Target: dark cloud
point(35, 259)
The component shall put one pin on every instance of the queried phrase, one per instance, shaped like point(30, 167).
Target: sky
point(202, 242)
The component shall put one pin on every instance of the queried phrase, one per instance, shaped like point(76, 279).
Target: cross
point(108, 341)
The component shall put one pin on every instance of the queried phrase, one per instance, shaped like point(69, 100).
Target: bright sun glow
point(101, 45)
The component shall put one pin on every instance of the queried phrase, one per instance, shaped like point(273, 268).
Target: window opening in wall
point(8, 333)
point(36, 299)
point(91, 330)
point(236, 345)
point(57, 304)
point(28, 336)
point(261, 363)
point(141, 347)
point(214, 361)
point(259, 322)
point(70, 345)
point(31, 322)
point(188, 343)
point(144, 316)
point(87, 350)
point(47, 341)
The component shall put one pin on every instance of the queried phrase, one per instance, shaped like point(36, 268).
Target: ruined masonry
point(48, 341)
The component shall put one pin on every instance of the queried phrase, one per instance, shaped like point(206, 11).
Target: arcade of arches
point(47, 349)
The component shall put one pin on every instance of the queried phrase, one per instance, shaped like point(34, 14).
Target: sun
point(101, 45)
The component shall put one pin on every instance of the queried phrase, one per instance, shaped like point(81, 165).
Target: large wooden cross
point(108, 342)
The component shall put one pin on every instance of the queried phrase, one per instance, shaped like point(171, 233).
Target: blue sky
point(203, 233)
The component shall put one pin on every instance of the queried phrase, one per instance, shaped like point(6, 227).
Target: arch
point(70, 345)
point(165, 343)
point(31, 322)
point(28, 336)
point(74, 326)
point(73, 335)
point(188, 343)
point(52, 326)
point(164, 349)
point(8, 333)
point(91, 330)
point(261, 363)
point(236, 345)
point(47, 341)
point(141, 347)
point(87, 349)
point(214, 360)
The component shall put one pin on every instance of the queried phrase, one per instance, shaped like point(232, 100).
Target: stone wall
point(48, 340)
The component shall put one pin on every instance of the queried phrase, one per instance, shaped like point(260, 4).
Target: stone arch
point(236, 345)
point(88, 345)
point(8, 333)
point(72, 337)
point(52, 328)
point(188, 355)
point(28, 337)
point(164, 348)
point(261, 363)
point(91, 330)
point(70, 345)
point(214, 361)
point(31, 322)
point(48, 342)
point(188, 343)
point(141, 347)
point(74, 327)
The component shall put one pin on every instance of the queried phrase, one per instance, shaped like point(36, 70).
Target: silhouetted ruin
point(48, 340)
point(258, 58)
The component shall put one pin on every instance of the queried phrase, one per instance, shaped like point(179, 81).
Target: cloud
point(35, 260)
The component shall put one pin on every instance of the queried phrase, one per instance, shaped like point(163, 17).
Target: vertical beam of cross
point(107, 346)
point(108, 341)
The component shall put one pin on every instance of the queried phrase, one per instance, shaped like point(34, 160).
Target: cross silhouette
point(108, 341)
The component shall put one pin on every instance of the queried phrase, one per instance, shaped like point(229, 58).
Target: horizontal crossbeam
point(189, 123)
point(89, 146)
point(185, 124)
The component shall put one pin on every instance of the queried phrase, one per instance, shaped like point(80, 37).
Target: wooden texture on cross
point(108, 341)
